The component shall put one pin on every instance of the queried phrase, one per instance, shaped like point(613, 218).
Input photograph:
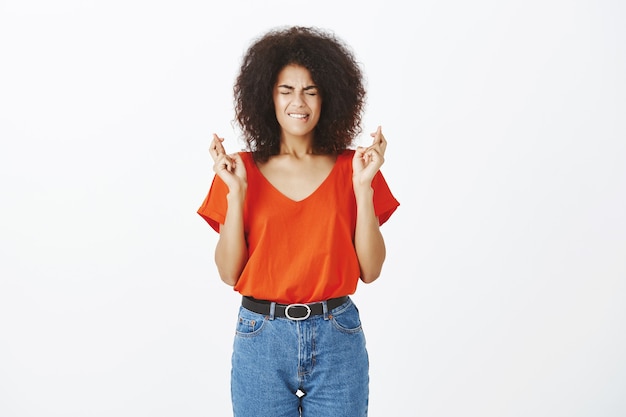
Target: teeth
point(297, 115)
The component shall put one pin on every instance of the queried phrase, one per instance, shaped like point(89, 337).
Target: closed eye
point(310, 90)
point(287, 89)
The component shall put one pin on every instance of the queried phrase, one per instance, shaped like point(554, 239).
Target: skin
point(297, 172)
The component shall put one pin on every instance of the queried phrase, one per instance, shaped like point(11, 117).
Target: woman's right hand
point(230, 168)
point(231, 251)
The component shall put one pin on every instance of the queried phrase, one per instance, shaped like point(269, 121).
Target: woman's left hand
point(367, 161)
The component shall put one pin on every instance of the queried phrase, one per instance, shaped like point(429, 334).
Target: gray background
point(503, 294)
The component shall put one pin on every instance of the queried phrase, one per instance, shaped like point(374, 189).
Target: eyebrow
point(310, 87)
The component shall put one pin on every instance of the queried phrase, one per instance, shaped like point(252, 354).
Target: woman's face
point(297, 102)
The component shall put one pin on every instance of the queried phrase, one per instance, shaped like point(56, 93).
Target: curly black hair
point(334, 70)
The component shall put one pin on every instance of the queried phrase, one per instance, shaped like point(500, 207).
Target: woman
point(298, 216)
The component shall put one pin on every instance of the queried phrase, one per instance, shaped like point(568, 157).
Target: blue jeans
point(319, 365)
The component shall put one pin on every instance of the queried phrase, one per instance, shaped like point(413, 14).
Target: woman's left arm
point(368, 240)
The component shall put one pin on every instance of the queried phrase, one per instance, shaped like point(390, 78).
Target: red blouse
point(299, 251)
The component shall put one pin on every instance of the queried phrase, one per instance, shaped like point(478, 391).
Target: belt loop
point(272, 310)
point(325, 308)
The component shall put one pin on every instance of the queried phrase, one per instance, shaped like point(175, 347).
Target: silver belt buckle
point(308, 312)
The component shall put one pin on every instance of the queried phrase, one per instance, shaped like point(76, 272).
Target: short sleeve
point(384, 201)
point(215, 205)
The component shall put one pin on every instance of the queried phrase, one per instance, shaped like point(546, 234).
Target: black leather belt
point(291, 311)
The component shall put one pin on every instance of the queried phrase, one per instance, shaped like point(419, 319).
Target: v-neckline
point(310, 195)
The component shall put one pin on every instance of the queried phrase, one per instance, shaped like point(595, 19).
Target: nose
point(298, 99)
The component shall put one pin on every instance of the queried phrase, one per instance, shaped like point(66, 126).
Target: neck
point(296, 146)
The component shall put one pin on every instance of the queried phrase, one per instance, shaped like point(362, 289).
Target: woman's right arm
point(231, 251)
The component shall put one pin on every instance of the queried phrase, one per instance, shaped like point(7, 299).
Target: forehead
point(294, 75)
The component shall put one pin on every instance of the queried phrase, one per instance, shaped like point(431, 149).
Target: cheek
point(316, 104)
point(277, 104)
point(281, 102)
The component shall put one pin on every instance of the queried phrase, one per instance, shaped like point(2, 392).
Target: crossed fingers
point(216, 149)
point(380, 143)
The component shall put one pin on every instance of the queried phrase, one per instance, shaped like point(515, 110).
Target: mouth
point(299, 116)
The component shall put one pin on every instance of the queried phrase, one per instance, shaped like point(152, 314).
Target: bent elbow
point(229, 280)
point(229, 268)
point(228, 276)
point(370, 277)
point(370, 271)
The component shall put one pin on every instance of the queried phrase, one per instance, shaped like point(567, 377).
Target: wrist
point(363, 191)
point(236, 194)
